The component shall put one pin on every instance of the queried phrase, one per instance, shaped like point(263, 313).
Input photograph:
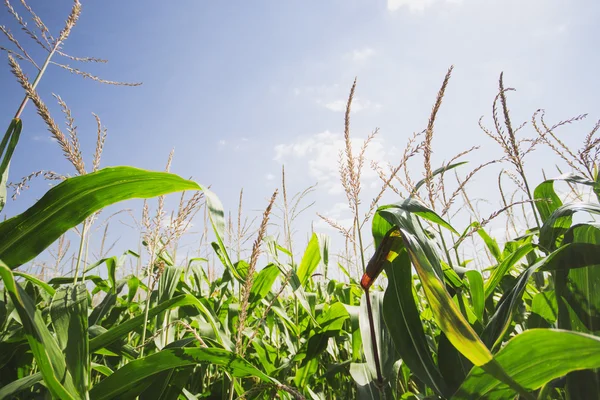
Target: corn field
point(255, 317)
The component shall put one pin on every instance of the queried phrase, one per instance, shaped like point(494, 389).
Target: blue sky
point(240, 88)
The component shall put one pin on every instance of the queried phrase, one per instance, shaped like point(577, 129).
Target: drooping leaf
point(415, 206)
point(548, 200)
point(49, 289)
point(560, 221)
point(402, 316)
point(67, 204)
point(437, 172)
point(449, 318)
point(447, 315)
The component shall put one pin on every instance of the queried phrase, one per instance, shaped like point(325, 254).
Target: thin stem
point(231, 388)
point(445, 248)
point(537, 221)
point(360, 242)
point(80, 252)
point(85, 258)
point(147, 308)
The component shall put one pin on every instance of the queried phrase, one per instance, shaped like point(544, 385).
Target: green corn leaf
point(357, 342)
point(437, 172)
point(330, 323)
point(68, 312)
point(415, 206)
point(448, 316)
point(136, 374)
point(305, 372)
point(578, 301)
point(103, 369)
point(46, 351)
point(579, 287)
point(402, 316)
point(123, 329)
point(119, 346)
point(548, 199)
point(490, 243)
point(64, 206)
point(477, 296)
point(560, 221)
point(310, 260)
point(570, 256)
point(545, 306)
point(166, 385)
point(49, 289)
point(504, 267)
point(453, 365)
point(216, 214)
point(11, 390)
point(263, 282)
point(533, 358)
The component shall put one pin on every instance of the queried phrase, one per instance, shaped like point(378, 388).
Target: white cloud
point(270, 177)
point(415, 5)
point(321, 154)
point(222, 142)
point(340, 106)
point(363, 54)
point(357, 105)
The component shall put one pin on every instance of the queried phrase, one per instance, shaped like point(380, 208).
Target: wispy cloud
point(321, 152)
point(357, 105)
point(43, 138)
